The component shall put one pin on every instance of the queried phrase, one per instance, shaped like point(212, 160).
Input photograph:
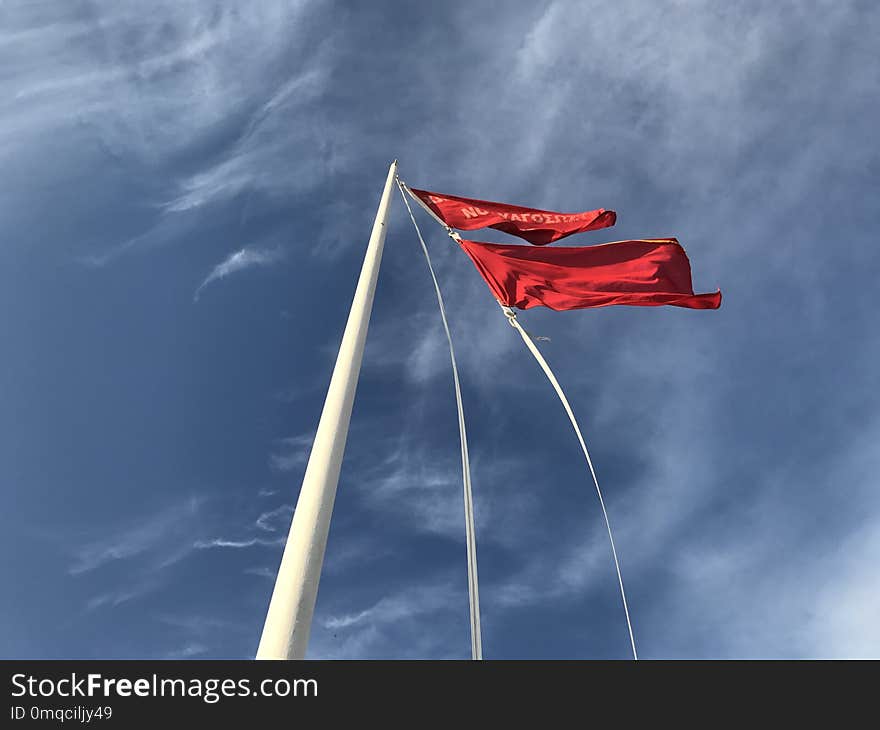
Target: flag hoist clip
point(513, 322)
point(451, 232)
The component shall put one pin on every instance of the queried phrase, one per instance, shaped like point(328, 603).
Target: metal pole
point(289, 619)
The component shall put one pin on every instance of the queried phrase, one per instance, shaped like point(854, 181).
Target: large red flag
point(643, 273)
point(539, 227)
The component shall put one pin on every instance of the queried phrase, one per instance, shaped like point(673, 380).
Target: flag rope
point(527, 338)
point(473, 583)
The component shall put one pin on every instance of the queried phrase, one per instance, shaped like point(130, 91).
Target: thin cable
point(473, 582)
point(511, 317)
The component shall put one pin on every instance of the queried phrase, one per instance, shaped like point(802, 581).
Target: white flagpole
point(289, 619)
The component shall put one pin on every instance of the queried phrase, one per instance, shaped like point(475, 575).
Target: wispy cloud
point(155, 534)
point(241, 260)
point(115, 598)
point(395, 608)
point(291, 452)
point(199, 634)
point(188, 651)
point(394, 626)
point(147, 550)
point(262, 571)
point(422, 487)
point(423, 490)
point(255, 161)
point(140, 94)
point(276, 519)
point(219, 542)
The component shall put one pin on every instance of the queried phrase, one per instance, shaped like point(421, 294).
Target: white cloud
point(245, 258)
point(188, 651)
point(157, 534)
point(147, 550)
point(146, 95)
point(196, 634)
point(150, 84)
point(255, 161)
point(117, 597)
point(220, 542)
point(262, 571)
point(275, 519)
point(291, 452)
point(394, 626)
point(424, 492)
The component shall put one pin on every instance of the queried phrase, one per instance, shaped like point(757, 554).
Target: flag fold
point(538, 227)
point(650, 272)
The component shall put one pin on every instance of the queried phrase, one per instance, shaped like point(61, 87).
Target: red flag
point(642, 273)
point(539, 227)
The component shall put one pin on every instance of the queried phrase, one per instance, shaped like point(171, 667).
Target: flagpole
point(288, 620)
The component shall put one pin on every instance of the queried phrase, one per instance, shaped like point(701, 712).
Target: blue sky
point(186, 198)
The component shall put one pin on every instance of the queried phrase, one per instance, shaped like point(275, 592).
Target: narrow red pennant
point(539, 227)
